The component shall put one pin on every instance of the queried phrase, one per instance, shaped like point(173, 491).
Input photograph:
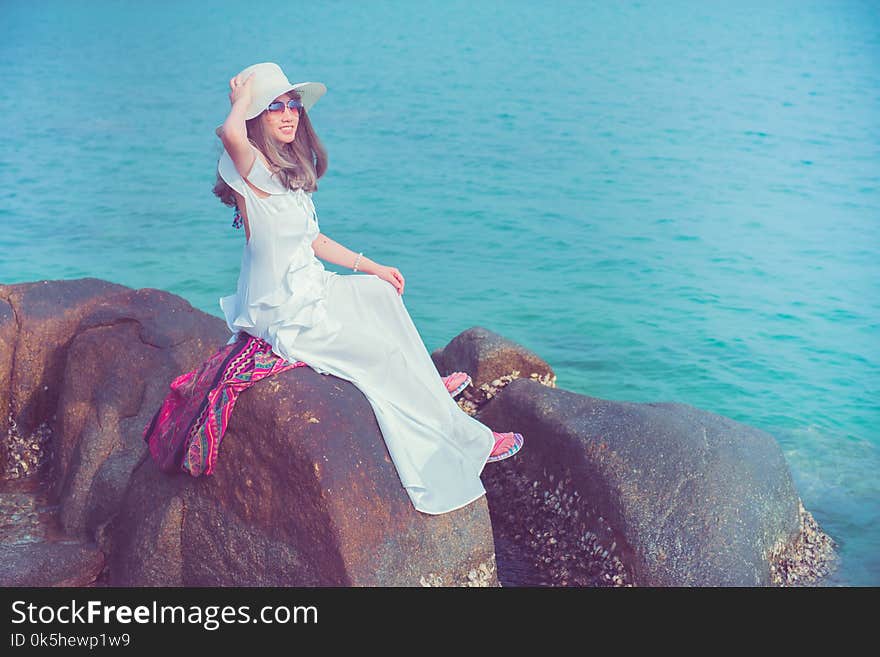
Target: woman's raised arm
point(233, 132)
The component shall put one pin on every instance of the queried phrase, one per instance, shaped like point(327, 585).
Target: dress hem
point(455, 508)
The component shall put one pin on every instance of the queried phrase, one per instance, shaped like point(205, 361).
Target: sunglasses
point(278, 106)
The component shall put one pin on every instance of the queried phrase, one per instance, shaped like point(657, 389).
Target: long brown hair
point(298, 164)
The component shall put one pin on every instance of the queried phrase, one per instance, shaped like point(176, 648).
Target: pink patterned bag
point(185, 433)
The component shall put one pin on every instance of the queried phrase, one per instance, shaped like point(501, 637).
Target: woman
point(354, 327)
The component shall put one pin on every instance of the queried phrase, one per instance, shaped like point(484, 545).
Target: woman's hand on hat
point(240, 90)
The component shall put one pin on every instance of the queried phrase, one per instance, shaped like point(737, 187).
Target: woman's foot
point(456, 382)
point(506, 445)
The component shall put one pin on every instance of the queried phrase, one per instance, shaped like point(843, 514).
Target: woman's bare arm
point(334, 252)
point(233, 132)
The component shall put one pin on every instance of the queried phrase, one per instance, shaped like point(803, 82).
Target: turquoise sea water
point(667, 201)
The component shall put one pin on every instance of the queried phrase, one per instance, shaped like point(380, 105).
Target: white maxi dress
point(357, 328)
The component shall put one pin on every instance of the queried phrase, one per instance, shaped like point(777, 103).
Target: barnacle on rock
point(810, 557)
point(27, 455)
point(548, 532)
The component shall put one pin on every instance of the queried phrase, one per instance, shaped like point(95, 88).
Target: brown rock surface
point(63, 563)
point(304, 494)
point(681, 496)
point(603, 493)
point(487, 356)
point(304, 491)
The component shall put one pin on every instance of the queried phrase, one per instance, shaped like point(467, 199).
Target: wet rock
point(26, 513)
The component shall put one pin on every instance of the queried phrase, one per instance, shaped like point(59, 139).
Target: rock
point(693, 498)
point(304, 494)
point(126, 351)
point(44, 316)
point(65, 563)
point(8, 332)
point(487, 356)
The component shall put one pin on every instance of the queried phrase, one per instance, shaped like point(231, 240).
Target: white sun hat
point(270, 82)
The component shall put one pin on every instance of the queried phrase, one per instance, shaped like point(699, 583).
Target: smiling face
point(282, 125)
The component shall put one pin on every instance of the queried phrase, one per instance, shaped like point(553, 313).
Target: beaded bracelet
point(356, 260)
point(236, 219)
